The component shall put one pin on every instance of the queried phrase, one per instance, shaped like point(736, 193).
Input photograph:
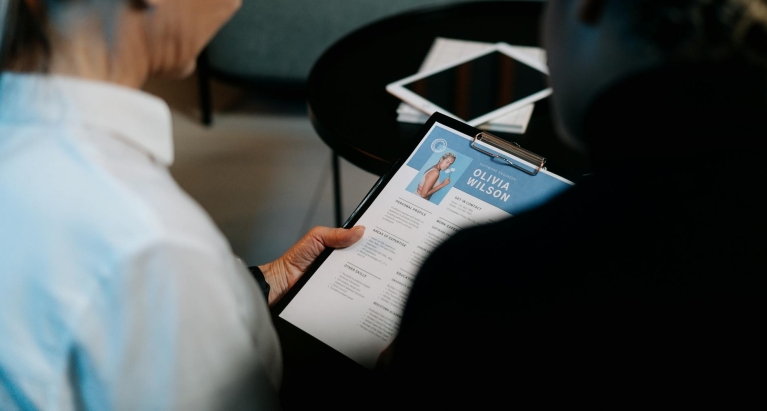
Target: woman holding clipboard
point(117, 291)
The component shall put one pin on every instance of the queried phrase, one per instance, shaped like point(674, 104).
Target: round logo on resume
point(439, 145)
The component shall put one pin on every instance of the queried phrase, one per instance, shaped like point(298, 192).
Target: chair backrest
point(281, 39)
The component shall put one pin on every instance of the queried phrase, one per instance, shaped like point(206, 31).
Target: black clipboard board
point(308, 361)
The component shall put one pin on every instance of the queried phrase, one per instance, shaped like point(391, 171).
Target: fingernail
point(358, 227)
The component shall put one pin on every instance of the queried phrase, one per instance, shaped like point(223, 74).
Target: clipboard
point(513, 149)
point(310, 354)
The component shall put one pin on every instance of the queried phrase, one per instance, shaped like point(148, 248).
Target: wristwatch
point(259, 276)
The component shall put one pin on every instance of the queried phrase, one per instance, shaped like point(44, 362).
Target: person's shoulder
point(64, 189)
point(558, 213)
point(516, 243)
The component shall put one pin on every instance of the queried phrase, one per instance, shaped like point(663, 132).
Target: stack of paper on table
point(443, 51)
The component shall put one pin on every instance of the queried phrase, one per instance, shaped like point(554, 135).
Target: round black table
point(353, 113)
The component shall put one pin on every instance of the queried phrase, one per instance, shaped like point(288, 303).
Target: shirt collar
point(138, 118)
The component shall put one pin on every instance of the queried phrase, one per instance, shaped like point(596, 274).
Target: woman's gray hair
point(24, 42)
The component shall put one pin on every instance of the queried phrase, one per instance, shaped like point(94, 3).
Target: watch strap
point(258, 275)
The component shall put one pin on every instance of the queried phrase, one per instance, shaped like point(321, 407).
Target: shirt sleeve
point(177, 327)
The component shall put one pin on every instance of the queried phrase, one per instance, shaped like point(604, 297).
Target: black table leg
point(206, 105)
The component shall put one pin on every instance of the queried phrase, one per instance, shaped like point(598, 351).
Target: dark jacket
point(644, 282)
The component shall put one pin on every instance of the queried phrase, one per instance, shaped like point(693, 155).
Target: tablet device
point(346, 309)
point(477, 88)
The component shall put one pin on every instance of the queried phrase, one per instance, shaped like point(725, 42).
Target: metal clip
point(511, 148)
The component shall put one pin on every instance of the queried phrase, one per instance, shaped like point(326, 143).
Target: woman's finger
point(337, 237)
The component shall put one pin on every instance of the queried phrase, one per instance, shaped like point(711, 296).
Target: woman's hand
point(283, 273)
point(445, 182)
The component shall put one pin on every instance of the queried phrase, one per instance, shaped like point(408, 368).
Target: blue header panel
point(483, 177)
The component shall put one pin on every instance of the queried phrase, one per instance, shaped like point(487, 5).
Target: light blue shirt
point(117, 291)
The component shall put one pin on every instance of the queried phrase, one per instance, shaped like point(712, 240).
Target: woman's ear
point(590, 11)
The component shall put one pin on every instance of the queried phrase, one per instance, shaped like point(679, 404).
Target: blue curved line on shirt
point(6, 384)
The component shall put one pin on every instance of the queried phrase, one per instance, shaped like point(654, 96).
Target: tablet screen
point(479, 86)
point(354, 300)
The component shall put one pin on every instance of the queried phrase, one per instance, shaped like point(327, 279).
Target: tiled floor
point(260, 170)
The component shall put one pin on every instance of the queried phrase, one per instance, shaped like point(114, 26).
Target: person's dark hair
point(705, 29)
point(24, 45)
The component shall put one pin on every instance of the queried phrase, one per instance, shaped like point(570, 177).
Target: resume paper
point(354, 301)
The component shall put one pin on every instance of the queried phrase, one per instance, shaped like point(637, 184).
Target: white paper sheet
point(354, 301)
